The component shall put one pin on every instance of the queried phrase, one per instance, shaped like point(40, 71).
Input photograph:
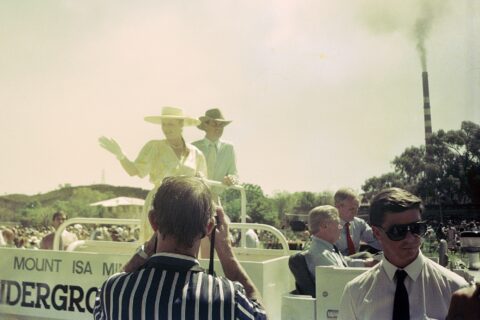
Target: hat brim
point(187, 121)
point(201, 126)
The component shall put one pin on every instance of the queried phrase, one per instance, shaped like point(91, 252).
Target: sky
point(322, 94)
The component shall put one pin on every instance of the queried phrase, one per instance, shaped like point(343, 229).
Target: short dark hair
point(182, 208)
point(344, 194)
point(392, 200)
point(57, 214)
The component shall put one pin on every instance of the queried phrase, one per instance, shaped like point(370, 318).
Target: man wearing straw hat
point(162, 158)
point(219, 154)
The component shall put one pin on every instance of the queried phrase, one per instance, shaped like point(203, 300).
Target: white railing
point(243, 196)
point(243, 202)
point(115, 221)
point(243, 226)
point(257, 226)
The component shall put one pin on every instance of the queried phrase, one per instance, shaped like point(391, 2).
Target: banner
point(53, 284)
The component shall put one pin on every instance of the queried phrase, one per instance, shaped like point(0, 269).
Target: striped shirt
point(172, 286)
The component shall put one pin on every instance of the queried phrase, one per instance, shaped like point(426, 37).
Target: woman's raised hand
point(112, 146)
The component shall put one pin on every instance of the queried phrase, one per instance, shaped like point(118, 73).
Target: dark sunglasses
point(398, 232)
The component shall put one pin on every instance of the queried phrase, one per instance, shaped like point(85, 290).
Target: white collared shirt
point(429, 286)
point(359, 231)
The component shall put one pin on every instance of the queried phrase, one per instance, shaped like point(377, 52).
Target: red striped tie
point(351, 246)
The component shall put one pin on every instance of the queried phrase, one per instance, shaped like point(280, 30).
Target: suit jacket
point(225, 163)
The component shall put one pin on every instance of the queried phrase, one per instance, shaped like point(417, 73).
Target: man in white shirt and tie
point(325, 227)
point(220, 155)
point(405, 284)
point(354, 229)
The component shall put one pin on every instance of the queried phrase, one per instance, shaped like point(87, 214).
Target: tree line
point(445, 171)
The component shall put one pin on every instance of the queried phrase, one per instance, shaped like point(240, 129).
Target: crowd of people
point(42, 237)
point(182, 213)
point(401, 283)
point(451, 231)
point(30, 237)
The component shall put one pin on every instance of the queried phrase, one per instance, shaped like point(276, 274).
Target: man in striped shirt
point(164, 279)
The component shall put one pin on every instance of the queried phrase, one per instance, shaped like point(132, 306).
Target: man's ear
point(153, 220)
point(376, 232)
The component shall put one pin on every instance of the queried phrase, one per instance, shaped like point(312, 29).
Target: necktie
point(351, 246)
point(335, 248)
point(401, 307)
point(211, 159)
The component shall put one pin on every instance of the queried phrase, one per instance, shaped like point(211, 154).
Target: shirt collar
point(413, 269)
point(316, 241)
point(343, 222)
point(174, 255)
point(172, 260)
point(214, 143)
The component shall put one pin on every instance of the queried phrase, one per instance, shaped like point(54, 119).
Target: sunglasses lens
point(398, 232)
point(418, 228)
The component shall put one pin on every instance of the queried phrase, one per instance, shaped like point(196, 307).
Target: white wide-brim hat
point(173, 113)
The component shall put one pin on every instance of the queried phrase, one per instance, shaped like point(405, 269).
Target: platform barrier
point(329, 289)
point(294, 305)
point(58, 284)
point(330, 282)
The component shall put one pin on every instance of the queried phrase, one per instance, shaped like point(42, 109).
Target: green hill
point(34, 209)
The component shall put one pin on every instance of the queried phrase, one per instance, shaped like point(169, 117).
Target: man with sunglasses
point(405, 284)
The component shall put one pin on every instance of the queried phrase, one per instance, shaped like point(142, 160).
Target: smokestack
point(426, 107)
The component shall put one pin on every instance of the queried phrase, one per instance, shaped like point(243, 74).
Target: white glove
point(112, 146)
point(230, 180)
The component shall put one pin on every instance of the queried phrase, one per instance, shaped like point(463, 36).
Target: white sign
point(53, 284)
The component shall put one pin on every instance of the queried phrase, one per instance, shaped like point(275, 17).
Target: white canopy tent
point(120, 201)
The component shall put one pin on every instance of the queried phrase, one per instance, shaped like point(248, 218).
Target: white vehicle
point(57, 284)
